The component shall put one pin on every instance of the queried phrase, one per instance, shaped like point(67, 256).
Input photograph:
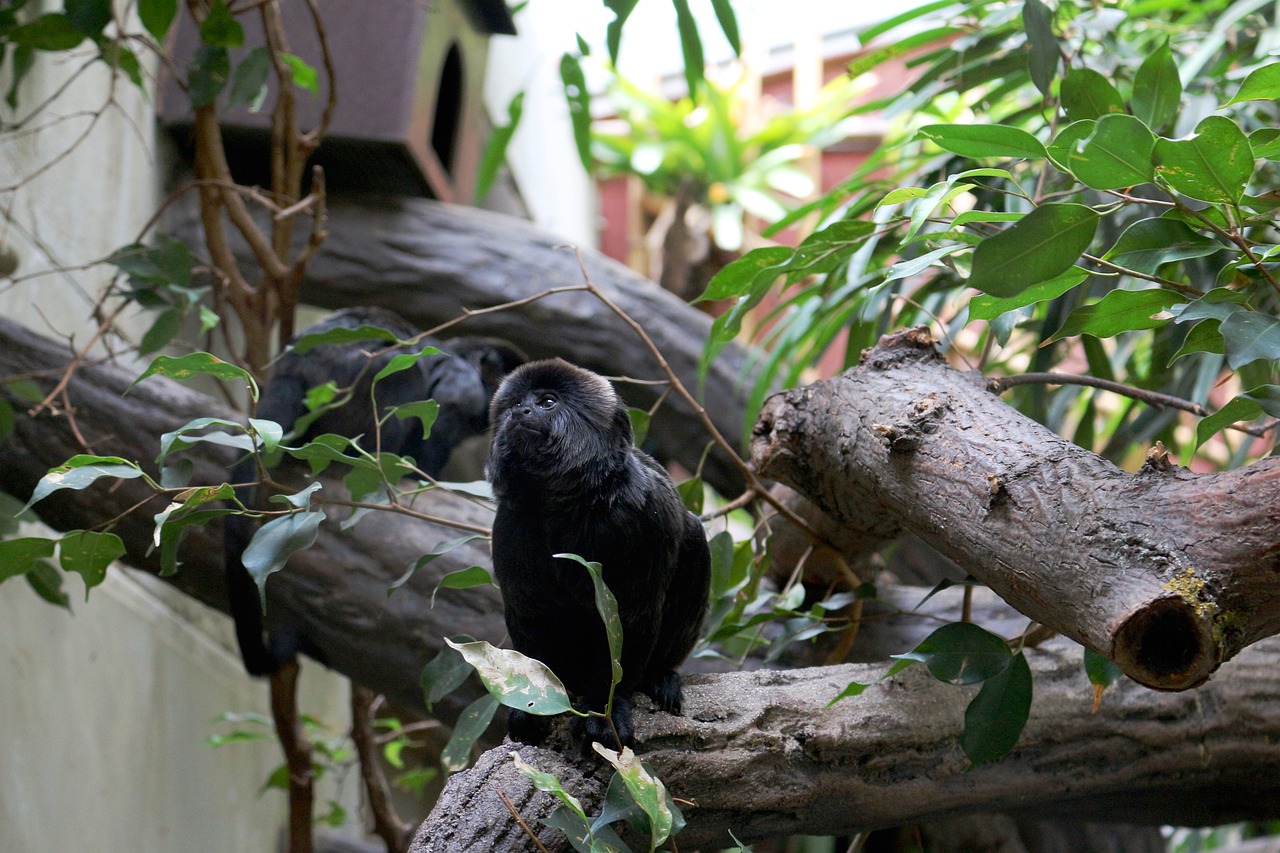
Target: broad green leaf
point(165, 262)
point(82, 471)
point(249, 80)
point(1265, 142)
point(88, 554)
point(690, 46)
point(646, 790)
point(1042, 245)
point(1238, 409)
point(692, 494)
point(441, 549)
point(462, 579)
point(1218, 304)
point(1203, 337)
point(613, 33)
point(1268, 396)
point(88, 16)
point(515, 680)
point(1262, 84)
point(219, 28)
point(759, 267)
point(1064, 145)
point(914, 266)
point(997, 715)
point(1157, 89)
point(1101, 671)
point(162, 331)
point(468, 729)
point(983, 140)
point(1214, 165)
point(576, 830)
point(208, 75)
point(1042, 62)
point(302, 73)
point(728, 24)
point(822, 251)
point(180, 438)
point(196, 364)
point(579, 99)
point(984, 307)
point(548, 782)
point(339, 336)
point(1086, 94)
point(640, 419)
point(856, 688)
point(607, 607)
point(276, 541)
point(1148, 243)
point(47, 583)
point(19, 556)
point(495, 150)
point(1119, 311)
point(1116, 155)
point(961, 653)
point(53, 31)
point(445, 672)
point(1249, 336)
point(157, 16)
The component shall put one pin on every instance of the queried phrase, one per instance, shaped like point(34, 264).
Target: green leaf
point(983, 140)
point(728, 24)
point(249, 80)
point(340, 335)
point(692, 494)
point(856, 688)
point(1101, 671)
point(1068, 140)
point(88, 554)
point(1265, 142)
point(759, 267)
point(1249, 336)
point(640, 419)
point(1042, 245)
point(998, 714)
point(88, 16)
point(495, 150)
point(1214, 165)
point(196, 364)
point(47, 583)
point(515, 680)
point(613, 33)
point(1086, 94)
point(1119, 311)
point(157, 16)
point(1237, 410)
point(1203, 337)
point(208, 75)
point(985, 307)
point(167, 262)
point(607, 607)
point(1116, 155)
point(579, 100)
point(1149, 243)
point(53, 31)
point(646, 790)
point(276, 541)
point(463, 579)
point(690, 46)
point(1157, 89)
point(468, 729)
point(79, 472)
point(219, 28)
point(1042, 62)
point(549, 783)
point(19, 556)
point(1262, 84)
point(961, 653)
point(302, 73)
point(445, 672)
point(162, 331)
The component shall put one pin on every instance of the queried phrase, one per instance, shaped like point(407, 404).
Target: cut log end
point(1167, 645)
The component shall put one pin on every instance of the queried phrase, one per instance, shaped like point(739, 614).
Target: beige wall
point(104, 713)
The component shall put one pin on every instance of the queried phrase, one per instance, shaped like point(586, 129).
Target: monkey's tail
point(245, 602)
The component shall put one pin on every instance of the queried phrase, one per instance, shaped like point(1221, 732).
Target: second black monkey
point(568, 480)
point(462, 380)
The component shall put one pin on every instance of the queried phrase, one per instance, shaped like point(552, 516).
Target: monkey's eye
point(547, 401)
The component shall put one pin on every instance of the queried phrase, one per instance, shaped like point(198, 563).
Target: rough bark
point(431, 261)
point(1167, 572)
point(761, 756)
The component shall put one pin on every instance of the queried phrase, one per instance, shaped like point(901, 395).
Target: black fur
point(462, 380)
point(568, 480)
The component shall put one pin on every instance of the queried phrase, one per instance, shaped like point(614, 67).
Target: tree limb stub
point(761, 756)
point(1167, 572)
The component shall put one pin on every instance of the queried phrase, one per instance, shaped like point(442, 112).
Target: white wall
point(104, 713)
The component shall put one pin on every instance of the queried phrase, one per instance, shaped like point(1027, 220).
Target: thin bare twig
point(506, 801)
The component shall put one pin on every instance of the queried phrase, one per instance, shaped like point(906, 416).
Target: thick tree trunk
point(431, 262)
point(1167, 572)
point(761, 755)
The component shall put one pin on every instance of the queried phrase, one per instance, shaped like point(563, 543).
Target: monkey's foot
point(528, 728)
point(595, 728)
point(667, 692)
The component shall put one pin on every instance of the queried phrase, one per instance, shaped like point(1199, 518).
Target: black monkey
point(462, 379)
point(568, 480)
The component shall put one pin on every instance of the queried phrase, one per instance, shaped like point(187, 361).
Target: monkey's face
point(556, 424)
